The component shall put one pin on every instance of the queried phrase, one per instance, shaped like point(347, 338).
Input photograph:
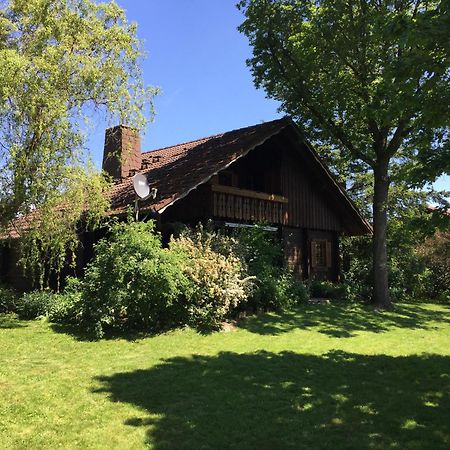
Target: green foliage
point(50, 240)
point(132, 283)
point(68, 306)
point(417, 250)
point(35, 304)
point(435, 253)
point(64, 62)
point(357, 266)
point(326, 289)
point(320, 59)
point(275, 287)
point(8, 299)
point(217, 277)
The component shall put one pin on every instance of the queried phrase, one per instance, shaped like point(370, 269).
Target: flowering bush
point(217, 281)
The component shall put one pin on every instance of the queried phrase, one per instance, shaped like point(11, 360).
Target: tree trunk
point(381, 296)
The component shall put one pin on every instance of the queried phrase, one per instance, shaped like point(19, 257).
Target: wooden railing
point(241, 204)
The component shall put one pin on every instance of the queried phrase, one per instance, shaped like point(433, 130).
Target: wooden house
point(265, 173)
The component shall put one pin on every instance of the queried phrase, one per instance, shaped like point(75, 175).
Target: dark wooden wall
point(307, 206)
point(11, 272)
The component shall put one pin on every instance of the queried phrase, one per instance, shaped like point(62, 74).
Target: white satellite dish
point(141, 187)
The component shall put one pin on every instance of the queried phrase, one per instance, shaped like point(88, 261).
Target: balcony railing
point(241, 204)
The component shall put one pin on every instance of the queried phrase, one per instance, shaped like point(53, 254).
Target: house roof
point(177, 170)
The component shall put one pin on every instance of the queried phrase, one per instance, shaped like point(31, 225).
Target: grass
point(320, 377)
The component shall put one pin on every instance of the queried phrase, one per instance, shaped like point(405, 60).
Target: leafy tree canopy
point(370, 78)
point(63, 62)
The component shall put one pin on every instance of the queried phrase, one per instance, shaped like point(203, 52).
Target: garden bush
point(200, 279)
point(67, 306)
point(435, 254)
point(132, 282)
point(332, 291)
point(35, 304)
point(275, 287)
point(217, 277)
point(8, 300)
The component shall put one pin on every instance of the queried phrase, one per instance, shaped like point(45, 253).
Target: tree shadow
point(287, 400)
point(80, 334)
point(344, 320)
point(9, 321)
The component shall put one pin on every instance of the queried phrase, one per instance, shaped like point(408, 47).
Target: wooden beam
point(248, 193)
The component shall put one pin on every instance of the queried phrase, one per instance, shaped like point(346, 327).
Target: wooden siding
point(244, 205)
point(293, 243)
point(195, 207)
point(307, 207)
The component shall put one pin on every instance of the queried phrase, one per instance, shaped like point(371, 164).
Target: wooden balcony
point(243, 205)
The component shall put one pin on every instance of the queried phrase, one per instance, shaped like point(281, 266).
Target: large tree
point(62, 63)
point(369, 77)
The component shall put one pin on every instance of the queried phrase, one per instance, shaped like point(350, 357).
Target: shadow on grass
point(81, 334)
point(8, 321)
point(277, 401)
point(344, 320)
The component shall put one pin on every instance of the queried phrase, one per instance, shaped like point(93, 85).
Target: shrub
point(132, 283)
point(217, 278)
point(67, 306)
point(435, 253)
point(298, 292)
point(35, 304)
point(275, 287)
point(8, 300)
point(333, 291)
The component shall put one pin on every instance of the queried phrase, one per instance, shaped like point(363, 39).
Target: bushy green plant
point(332, 291)
point(435, 254)
point(132, 283)
point(275, 287)
point(8, 300)
point(35, 304)
point(217, 277)
point(67, 305)
point(298, 291)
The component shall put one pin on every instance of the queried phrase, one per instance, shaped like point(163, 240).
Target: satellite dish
point(141, 187)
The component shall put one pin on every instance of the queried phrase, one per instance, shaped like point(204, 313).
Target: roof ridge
point(215, 135)
point(181, 143)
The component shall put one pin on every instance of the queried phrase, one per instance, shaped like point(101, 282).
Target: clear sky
point(197, 57)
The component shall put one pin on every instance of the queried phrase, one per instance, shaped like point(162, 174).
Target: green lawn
point(320, 377)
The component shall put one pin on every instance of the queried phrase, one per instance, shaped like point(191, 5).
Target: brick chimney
point(122, 152)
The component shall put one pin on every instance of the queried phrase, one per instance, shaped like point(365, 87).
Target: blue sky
point(197, 57)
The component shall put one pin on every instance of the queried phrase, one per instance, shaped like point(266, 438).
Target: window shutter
point(329, 258)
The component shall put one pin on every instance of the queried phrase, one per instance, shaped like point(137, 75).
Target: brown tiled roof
point(177, 170)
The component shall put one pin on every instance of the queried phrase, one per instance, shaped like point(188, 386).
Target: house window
point(320, 254)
